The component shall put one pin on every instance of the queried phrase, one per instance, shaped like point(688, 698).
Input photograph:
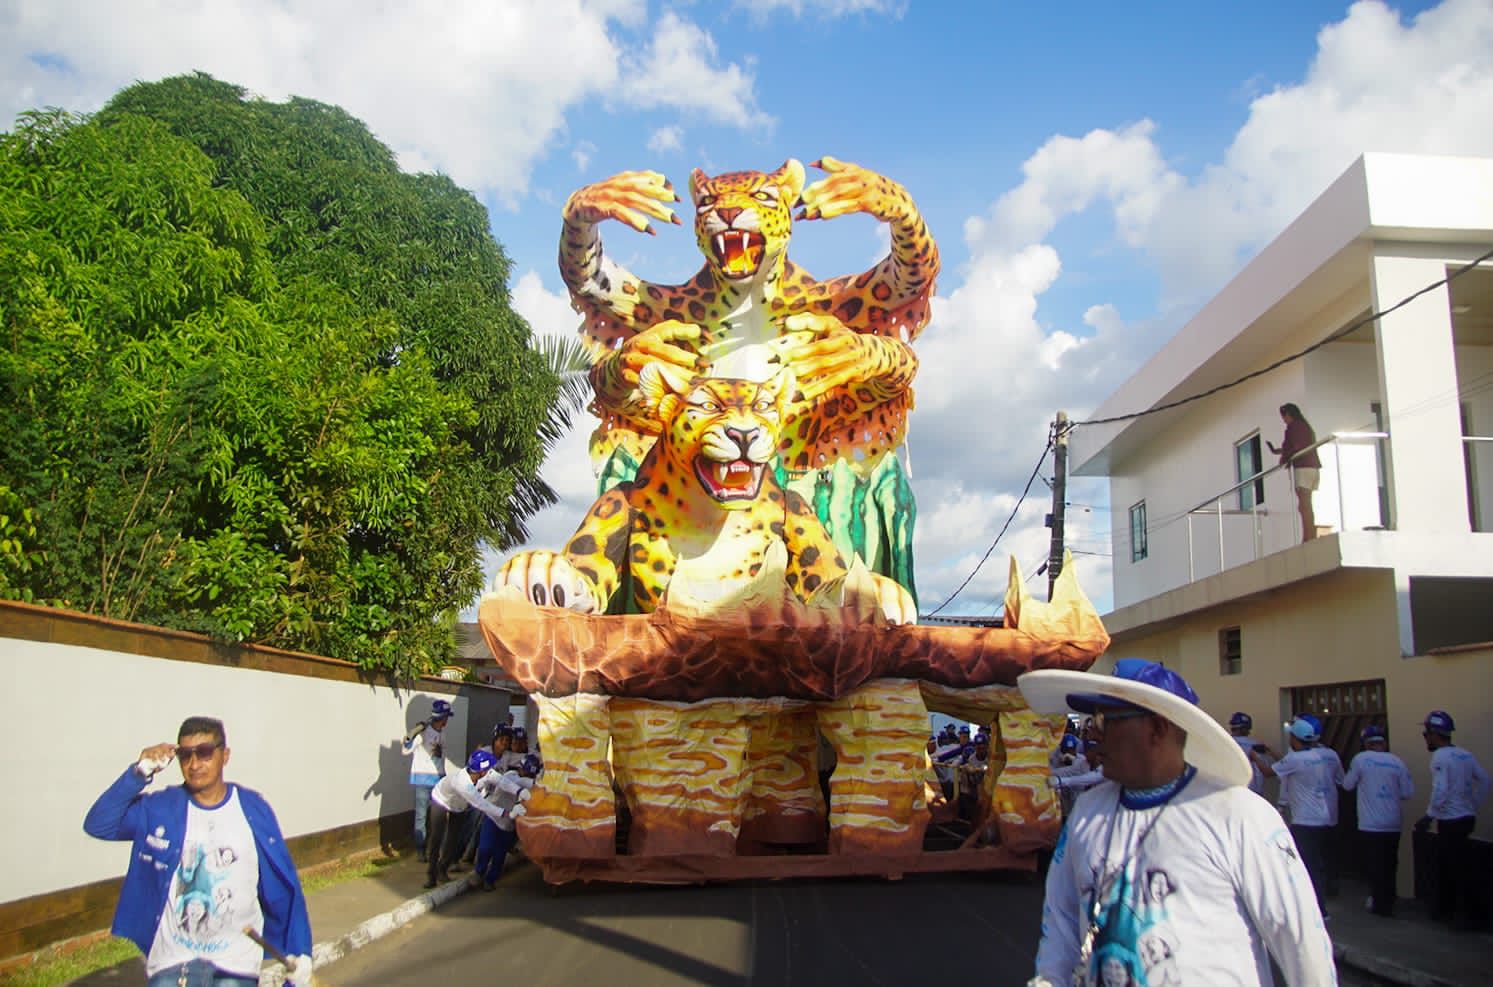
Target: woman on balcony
point(1297, 448)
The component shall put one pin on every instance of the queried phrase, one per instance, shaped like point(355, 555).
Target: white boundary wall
point(324, 753)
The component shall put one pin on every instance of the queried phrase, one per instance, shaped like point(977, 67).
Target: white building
point(1389, 612)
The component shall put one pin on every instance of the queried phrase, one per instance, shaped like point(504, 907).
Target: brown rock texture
point(571, 812)
point(680, 767)
point(876, 793)
point(774, 646)
point(784, 804)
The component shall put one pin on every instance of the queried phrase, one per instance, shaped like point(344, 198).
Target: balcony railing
point(1352, 481)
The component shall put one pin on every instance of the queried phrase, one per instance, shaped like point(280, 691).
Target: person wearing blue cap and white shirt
point(1241, 725)
point(1171, 871)
point(1458, 786)
point(1382, 782)
point(508, 790)
point(453, 796)
point(425, 744)
point(1313, 774)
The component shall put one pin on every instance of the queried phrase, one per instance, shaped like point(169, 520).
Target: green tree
point(255, 380)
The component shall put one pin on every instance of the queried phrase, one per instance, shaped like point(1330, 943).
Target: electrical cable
point(1026, 490)
point(1372, 316)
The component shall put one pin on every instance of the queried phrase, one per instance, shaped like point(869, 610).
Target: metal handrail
point(1215, 503)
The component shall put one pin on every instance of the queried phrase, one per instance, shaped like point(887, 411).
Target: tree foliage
point(255, 380)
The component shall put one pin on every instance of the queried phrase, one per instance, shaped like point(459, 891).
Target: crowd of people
point(467, 818)
point(1172, 868)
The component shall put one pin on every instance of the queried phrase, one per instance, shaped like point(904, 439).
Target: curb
point(1378, 966)
point(325, 953)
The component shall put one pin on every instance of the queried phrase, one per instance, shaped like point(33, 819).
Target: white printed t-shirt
point(1382, 782)
point(1190, 892)
point(1458, 784)
point(1314, 774)
point(214, 895)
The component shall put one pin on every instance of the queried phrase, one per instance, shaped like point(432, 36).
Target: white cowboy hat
point(1149, 685)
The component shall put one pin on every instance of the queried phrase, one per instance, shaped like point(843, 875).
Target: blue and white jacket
point(157, 823)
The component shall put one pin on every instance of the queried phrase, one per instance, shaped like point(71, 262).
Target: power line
point(1025, 490)
point(1372, 316)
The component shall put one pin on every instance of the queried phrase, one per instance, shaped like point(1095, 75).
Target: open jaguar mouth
point(739, 252)
point(738, 480)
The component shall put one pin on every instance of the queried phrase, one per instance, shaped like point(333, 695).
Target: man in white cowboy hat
point(1171, 870)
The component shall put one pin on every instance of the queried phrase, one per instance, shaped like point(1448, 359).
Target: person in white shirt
point(456, 793)
point(1170, 871)
point(427, 763)
point(1241, 725)
point(1382, 782)
point(1314, 773)
point(1458, 786)
point(508, 790)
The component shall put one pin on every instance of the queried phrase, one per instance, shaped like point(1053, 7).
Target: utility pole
point(1060, 429)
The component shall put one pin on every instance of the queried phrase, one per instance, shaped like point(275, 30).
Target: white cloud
point(992, 374)
point(666, 139)
point(475, 89)
point(680, 71)
point(568, 467)
point(582, 154)
point(826, 9)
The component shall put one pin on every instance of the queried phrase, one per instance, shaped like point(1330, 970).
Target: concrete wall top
point(321, 739)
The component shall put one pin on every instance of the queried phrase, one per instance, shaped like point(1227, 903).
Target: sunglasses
point(1114, 716)
point(201, 751)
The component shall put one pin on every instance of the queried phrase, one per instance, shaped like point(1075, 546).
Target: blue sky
point(1093, 172)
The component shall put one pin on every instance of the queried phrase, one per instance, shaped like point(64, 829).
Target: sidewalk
point(1409, 948)
point(344, 916)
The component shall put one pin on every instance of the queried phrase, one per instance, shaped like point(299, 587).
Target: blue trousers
point(422, 807)
point(199, 973)
point(493, 844)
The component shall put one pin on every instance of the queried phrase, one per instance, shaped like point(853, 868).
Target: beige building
point(1388, 613)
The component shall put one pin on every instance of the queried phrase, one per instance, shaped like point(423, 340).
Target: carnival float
point(740, 600)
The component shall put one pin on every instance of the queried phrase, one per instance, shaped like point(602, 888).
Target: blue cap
point(481, 762)
point(1440, 721)
point(1373, 733)
point(1303, 729)
point(440, 709)
point(1241, 720)
point(1068, 743)
point(502, 730)
point(1152, 673)
point(519, 733)
point(530, 765)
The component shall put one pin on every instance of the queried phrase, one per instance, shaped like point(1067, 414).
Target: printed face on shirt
point(200, 774)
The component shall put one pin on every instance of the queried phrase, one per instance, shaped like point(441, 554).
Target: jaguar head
point(723, 432)
point(743, 219)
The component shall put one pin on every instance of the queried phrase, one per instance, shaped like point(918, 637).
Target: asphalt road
point(977, 928)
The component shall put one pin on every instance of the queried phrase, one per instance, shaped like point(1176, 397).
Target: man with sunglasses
point(208, 861)
point(1171, 870)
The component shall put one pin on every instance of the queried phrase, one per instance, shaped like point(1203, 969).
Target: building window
point(1247, 463)
point(1230, 652)
point(1138, 532)
point(1344, 708)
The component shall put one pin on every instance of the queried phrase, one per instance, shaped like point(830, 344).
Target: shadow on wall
point(389, 787)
